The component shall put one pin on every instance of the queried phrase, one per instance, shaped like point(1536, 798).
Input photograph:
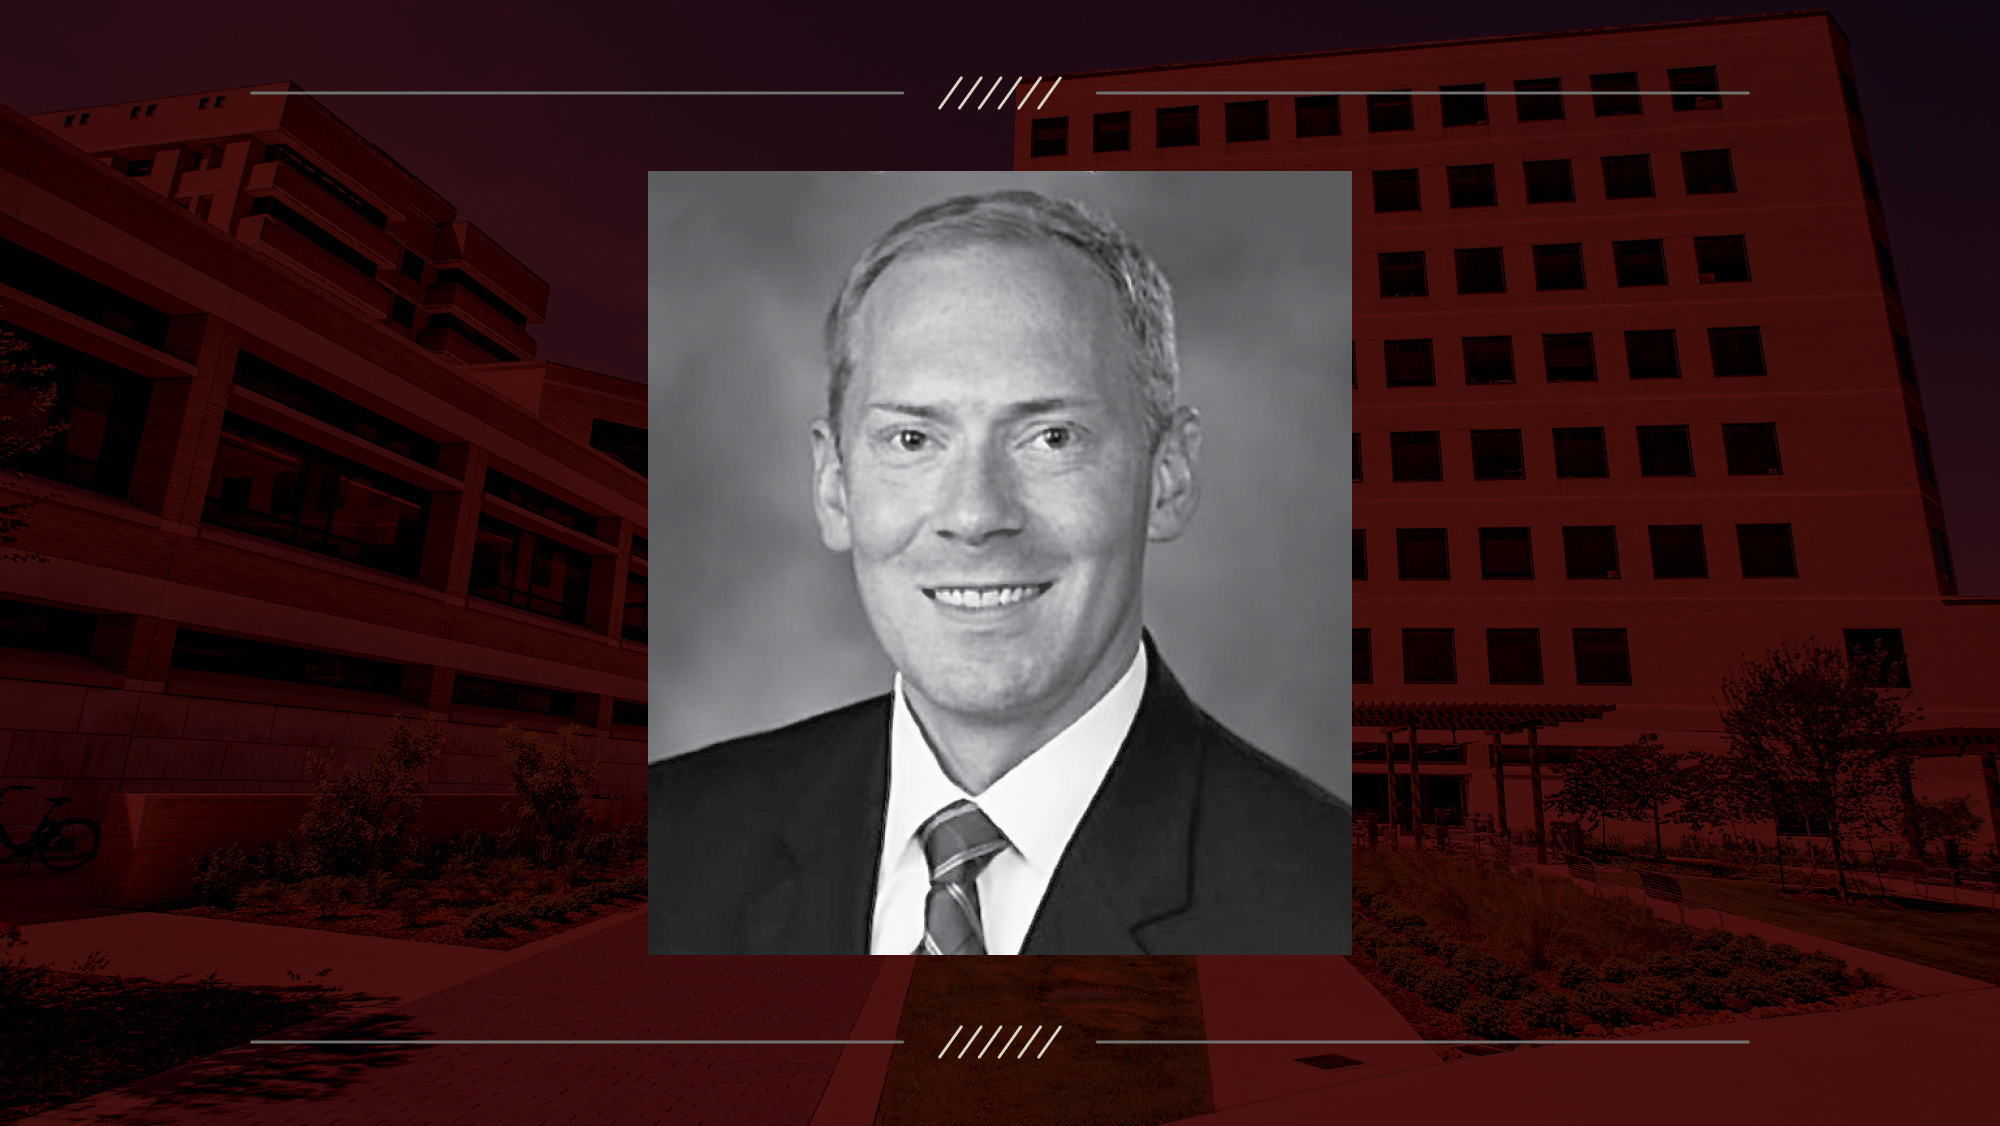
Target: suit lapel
point(826, 905)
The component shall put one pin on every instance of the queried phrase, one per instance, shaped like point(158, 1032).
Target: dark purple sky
point(561, 181)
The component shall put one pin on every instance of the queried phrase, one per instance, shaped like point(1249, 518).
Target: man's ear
point(829, 488)
point(1176, 489)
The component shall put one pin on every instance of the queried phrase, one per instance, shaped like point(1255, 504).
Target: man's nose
point(981, 497)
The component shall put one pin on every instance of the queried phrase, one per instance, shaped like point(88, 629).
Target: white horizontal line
point(409, 1043)
point(575, 93)
point(1447, 1043)
point(1448, 93)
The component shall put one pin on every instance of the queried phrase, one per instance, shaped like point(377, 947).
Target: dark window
point(1678, 552)
point(1688, 84)
point(238, 656)
point(1356, 447)
point(1580, 452)
point(1850, 93)
point(313, 233)
point(1496, 456)
point(1868, 184)
point(1538, 107)
point(1514, 656)
point(1246, 121)
point(1751, 447)
point(326, 183)
point(1615, 104)
point(1708, 171)
point(1549, 181)
point(626, 443)
point(1640, 262)
point(1766, 550)
point(1429, 657)
point(1471, 185)
point(1396, 190)
point(1884, 649)
point(1559, 266)
point(633, 628)
point(523, 495)
point(1921, 445)
point(1489, 359)
point(1403, 274)
point(403, 311)
point(437, 324)
point(273, 485)
point(638, 547)
point(1590, 551)
point(1463, 105)
point(1722, 258)
point(1506, 553)
point(1481, 271)
point(1360, 553)
point(1652, 354)
point(1883, 261)
point(256, 374)
point(1111, 132)
point(1940, 554)
point(1737, 351)
point(139, 168)
point(1389, 113)
point(103, 407)
point(1570, 357)
point(628, 712)
point(1602, 657)
point(1409, 363)
point(1364, 658)
point(1049, 136)
point(528, 571)
point(1317, 116)
point(1422, 553)
point(1906, 363)
point(1628, 177)
point(1176, 126)
point(1414, 455)
point(412, 266)
point(47, 629)
point(71, 292)
point(1664, 451)
point(481, 692)
point(478, 289)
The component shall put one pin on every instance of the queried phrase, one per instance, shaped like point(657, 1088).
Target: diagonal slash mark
point(1045, 1047)
point(990, 89)
point(1038, 106)
point(1031, 1040)
point(969, 1040)
point(1006, 97)
point(989, 1042)
point(970, 92)
point(1009, 1043)
point(1030, 93)
point(947, 97)
point(948, 1043)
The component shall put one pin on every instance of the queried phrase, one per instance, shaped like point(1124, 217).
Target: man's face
point(996, 483)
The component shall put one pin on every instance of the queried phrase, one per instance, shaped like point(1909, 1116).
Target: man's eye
point(1056, 437)
point(910, 441)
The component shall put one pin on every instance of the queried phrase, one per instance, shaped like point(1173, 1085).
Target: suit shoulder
point(760, 760)
point(1266, 783)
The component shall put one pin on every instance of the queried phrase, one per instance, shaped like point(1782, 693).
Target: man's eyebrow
point(1012, 410)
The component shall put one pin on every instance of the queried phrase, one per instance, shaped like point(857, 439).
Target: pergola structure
point(1497, 721)
point(1938, 742)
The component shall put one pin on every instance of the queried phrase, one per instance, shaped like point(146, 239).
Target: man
point(1001, 444)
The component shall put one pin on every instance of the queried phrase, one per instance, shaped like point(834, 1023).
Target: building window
point(239, 656)
point(1850, 93)
point(1364, 658)
point(1481, 271)
point(1689, 84)
point(1463, 105)
point(1664, 451)
point(638, 547)
point(626, 443)
point(1415, 455)
point(631, 713)
point(1176, 126)
point(1751, 447)
point(1488, 359)
point(481, 692)
point(1422, 553)
point(138, 168)
point(1883, 261)
point(1941, 555)
point(103, 408)
point(1628, 177)
point(1360, 553)
point(1906, 363)
point(1678, 552)
point(529, 572)
point(1390, 113)
point(1514, 656)
point(1580, 452)
point(313, 233)
point(1409, 363)
point(1246, 121)
point(1506, 553)
point(1559, 266)
point(1884, 646)
point(101, 305)
point(1602, 657)
point(1049, 136)
point(1608, 101)
point(1921, 445)
point(1570, 357)
point(1111, 132)
point(1868, 185)
point(1355, 446)
point(633, 628)
point(1317, 115)
point(1403, 274)
point(1396, 190)
point(1538, 107)
point(1766, 550)
point(403, 311)
point(1497, 456)
point(253, 373)
point(1723, 258)
point(1590, 551)
point(1429, 657)
point(523, 495)
point(1471, 185)
point(1708, 172)
point(1652, 354)
point(1640, 262)
point(1736, 351)
point(412, 265)
point(1549, 181)
point(272, 485)
point(46, 629)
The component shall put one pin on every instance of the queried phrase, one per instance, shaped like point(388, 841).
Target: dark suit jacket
point(1197, 843)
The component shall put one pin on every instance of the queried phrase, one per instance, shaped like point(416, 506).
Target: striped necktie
point(958, 841)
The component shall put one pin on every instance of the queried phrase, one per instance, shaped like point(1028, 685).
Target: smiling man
point(1002, 443)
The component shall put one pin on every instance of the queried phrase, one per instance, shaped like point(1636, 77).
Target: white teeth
point(981, 598)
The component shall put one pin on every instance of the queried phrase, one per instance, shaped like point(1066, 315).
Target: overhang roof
point(1943, 737)
point(1473, 717)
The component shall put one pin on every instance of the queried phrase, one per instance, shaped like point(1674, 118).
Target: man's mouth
point(986, 597)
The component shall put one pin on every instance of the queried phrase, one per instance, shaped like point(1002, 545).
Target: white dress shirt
point(1038, 805)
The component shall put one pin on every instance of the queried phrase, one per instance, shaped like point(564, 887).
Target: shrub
point(1486, 1019)
point(1800, 986)
point(261, 896)
point(1825, 967)
point(327, 894)
point(361, 819)
point(1572, 973)
point(411, 903)
point(1441, 987)
point(1656, 995)
point(1545, 1009)
point(551, 783)
point(1711, 938)
point(1670, 964)
point(1752, 988)
point(1706, 992)
point(1608, 1005)
point(1617, 969)
point(220, 874)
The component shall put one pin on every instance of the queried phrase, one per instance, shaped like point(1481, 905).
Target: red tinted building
point(313, 474)
point(1634, 394)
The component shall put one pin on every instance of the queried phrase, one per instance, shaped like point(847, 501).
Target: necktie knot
point(959, 840)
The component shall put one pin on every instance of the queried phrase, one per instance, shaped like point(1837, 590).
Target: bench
point(1660, 886)
point(1584, 868)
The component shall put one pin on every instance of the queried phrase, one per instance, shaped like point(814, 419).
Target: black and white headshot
point(972, 730)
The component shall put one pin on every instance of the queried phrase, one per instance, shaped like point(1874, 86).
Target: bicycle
point(61, 846)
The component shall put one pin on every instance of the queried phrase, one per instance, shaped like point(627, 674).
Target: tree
point(1633, 783)
point(1948, 819)
point(27, 395)
point(361, 819)
point(1811, 735)
point(551, 783)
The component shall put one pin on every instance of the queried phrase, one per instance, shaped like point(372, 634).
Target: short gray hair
point(1024, 218)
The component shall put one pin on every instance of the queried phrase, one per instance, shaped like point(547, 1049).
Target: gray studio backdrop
point(756, 625)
